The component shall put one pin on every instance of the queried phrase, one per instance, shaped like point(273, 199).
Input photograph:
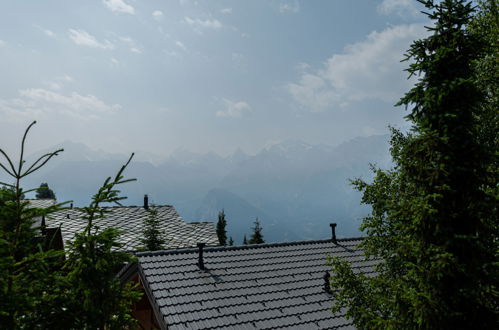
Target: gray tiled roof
point(40, 203)
point(266, 286)
point(179, 234)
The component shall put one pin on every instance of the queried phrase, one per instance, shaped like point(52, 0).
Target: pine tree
point(154, 238)
point(434, 225)
point(45, 192)
point(256, 236)
point(231, 241)
point(39, 287)
point(97, 298)
point(221, 232)
point(245, 241)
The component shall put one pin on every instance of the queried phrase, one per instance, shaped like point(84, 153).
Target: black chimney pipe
point(333, 232)
point(146, 202)
point(200, 259)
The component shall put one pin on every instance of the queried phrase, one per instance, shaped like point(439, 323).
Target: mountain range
point(294, 188)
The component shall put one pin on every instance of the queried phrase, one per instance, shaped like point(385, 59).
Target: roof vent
point(200, 259)
point(327, 285)
point(146, 202)
point(333, 232)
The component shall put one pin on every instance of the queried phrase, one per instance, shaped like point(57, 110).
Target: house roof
point(179, 233)
point(265, 286)
point(40, 203)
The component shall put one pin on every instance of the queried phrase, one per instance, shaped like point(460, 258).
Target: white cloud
point(134, 48)
point(366, 70)
point(49, 33)
point(83, 38)
point(226, 11)
point(119, 6)
point(199, 24)
point(36, 102)
point(157, 15)
point(233, 109)
point(401, 8)
point(289, 6)
point(180, 45)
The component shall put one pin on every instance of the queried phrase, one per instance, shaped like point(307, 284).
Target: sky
point(158, 75)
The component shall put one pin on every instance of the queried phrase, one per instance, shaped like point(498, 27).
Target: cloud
point(49, 33)
point(403, 8)
point(233, 109)
point(134, 48)
point(119, 6)
point(2, 43)
point(366, 70)
point(198, 24)
point(83, 38)
point(289, 6)
point(36, 102)
point(226, 11)
point(180, 45)
point(157, 15)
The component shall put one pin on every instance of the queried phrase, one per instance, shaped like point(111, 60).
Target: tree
point(256, 236)
point(221, 232)
point(39, 287)
point(231, 241)
point(245, 241)
point(154, 237)
point(433, 226)
point(44, 192)
point(28, 296)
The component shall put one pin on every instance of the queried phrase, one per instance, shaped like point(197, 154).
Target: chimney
point(333, 232)
point(146, 202)
point(200, 260)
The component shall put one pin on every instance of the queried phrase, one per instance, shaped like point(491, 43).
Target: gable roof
point(265, 286)
point(129, 219)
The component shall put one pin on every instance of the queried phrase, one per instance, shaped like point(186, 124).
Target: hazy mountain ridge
point(295, 188)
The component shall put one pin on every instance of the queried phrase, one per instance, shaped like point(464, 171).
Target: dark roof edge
point(241, 247)
point(127, 272)
point(152, 300)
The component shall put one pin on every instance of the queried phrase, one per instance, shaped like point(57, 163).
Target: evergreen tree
point(45, 192)
point(231, 241)
point(39, 288)
point(97, 298)
point(221, 232)
point(256, 236)
point(434, 225)
point(245, 241)
point(154, 237)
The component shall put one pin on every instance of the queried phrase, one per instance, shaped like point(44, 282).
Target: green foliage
point(245, 241)
point(39, 288)
point(99, 300)
point(231, 241)
point(434, 225)
point(154, 239)
point(256, 236)
point(44, 192)
point(221, 232)
point(28, 271)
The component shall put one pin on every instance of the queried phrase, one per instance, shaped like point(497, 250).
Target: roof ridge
point(242, 247)
point(125, 206)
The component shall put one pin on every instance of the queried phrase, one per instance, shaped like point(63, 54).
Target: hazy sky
point(125, 75)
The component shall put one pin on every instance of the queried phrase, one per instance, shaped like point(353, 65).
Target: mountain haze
point(296, 189)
